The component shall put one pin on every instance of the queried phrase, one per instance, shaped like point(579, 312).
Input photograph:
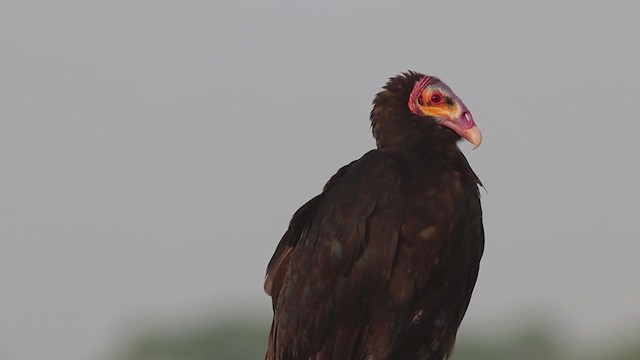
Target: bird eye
point(436, 98)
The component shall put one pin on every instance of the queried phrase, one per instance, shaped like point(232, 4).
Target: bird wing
point(338, 245)
point(379, 264)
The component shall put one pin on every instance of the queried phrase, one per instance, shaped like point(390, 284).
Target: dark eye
point(436, 98)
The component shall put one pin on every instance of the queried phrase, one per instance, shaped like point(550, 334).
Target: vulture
point(382, 263)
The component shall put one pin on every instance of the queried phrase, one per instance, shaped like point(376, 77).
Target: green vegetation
point(245, 340)
point(224, 341)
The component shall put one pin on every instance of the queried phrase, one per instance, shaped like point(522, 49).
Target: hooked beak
point(466, 128)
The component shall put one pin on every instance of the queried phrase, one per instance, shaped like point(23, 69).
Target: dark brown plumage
point(381, 264)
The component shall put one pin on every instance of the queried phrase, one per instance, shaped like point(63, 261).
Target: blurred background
point(152, 153)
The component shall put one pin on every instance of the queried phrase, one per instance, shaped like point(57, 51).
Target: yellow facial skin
point(443, 105)
point(448, 107)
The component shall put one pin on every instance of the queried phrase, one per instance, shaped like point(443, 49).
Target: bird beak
point(473, 135)
point(466, 128)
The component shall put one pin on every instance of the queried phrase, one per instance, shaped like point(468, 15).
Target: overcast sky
point(152, 152)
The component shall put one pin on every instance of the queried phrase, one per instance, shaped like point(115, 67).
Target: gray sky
point(153, 152)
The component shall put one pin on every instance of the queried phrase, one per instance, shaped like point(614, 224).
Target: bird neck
point(422, 153)
point(422, 139)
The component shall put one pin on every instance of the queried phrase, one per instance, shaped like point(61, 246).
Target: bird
point(382, 263)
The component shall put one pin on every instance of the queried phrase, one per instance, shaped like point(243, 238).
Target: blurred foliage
point(246, 340)
point(529, 343)
point(226, 341)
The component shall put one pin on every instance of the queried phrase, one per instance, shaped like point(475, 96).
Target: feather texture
point(381, 264)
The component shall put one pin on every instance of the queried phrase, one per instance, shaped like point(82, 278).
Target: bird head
point(432, 98)
point(417, 109)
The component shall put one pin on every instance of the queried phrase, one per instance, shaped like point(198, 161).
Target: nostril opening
point(467, 119)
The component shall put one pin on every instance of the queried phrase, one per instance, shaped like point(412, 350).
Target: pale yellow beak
point(466, 128)
point(473, 135)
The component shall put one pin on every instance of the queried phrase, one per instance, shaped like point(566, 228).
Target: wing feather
point(369, 267)
point(323, 267)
